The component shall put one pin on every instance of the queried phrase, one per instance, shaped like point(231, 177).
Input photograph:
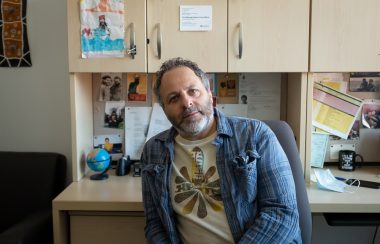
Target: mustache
point(188, 111)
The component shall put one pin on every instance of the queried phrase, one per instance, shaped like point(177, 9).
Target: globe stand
point(101, 176)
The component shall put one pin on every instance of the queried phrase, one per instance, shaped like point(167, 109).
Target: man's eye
point(173, 99)
point(194, 92)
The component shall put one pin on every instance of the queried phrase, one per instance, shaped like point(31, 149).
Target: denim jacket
point(257, 185)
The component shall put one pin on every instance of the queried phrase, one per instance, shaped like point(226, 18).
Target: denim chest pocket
point(245, 170)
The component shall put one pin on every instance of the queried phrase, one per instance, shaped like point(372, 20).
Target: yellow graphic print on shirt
point(198, 187)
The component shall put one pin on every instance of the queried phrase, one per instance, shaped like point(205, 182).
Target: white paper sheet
point(195, 18)
point(136, 127)
point(158, 121)
point(240, 110)
point(319, 143)
point(263, 93)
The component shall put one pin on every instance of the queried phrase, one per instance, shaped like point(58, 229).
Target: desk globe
point(98, 160)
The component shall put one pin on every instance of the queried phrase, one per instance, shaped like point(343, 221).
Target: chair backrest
point(29, 181)
point(286, 138)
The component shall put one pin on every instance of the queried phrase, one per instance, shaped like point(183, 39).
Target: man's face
point(187, 104)
point(108, 81)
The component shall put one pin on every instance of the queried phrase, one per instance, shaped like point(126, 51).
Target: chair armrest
point(34, 228)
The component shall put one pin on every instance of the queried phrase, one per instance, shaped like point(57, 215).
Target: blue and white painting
point(102, 28)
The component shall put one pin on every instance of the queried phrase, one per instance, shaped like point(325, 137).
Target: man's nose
point(187, 101)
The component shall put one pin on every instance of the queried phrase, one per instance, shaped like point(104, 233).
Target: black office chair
point(29, 181)
point(286, 138)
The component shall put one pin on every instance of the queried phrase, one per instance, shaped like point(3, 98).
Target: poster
point(137, 87)
point(333, 111)
point(102, 28)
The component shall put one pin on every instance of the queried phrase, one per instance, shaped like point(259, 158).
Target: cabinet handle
point(240, 40)
point(132, 40)
point(159, 40)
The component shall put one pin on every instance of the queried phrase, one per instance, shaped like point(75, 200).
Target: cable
point(374, 235)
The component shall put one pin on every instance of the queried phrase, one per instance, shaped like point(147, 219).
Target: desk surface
point(117, 193)
point(123, 193)
point(362, 200)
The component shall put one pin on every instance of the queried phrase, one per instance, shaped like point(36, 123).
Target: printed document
point(334, 111)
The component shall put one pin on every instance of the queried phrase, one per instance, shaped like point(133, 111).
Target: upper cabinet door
point(135, 29)
point(268, 36)
point(207, 48)
point(345, 35)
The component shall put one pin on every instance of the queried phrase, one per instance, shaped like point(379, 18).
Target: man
point(116, 89)
point(212, 178)
point(105, 88)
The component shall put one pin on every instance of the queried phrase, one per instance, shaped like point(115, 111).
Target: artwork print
point(14, 46)
point(102, 28)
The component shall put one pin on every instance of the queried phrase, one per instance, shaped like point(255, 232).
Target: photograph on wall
point(371, 115)
point(227, 85)
point(364, 81)
point(114, 115)
point(137, 87)
point(102, 28)
point(111, 143)
point(111, 87)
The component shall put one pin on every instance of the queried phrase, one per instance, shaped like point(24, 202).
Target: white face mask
point(327, 181)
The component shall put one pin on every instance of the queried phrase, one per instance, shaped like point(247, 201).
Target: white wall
point(34, 102)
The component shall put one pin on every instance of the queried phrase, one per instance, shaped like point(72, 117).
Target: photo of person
point(364, 82)
point(112, 143)
point(105, 88)
point(243, 99)
point(111, 87)
point(114, 115)
point(371, 116)
point(116, 89)
point(108, 145)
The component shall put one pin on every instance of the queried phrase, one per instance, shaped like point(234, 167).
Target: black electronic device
point(137, 169)
point(123, 166)
point(364, 183)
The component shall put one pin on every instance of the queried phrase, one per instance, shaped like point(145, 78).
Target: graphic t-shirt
point(195, 193)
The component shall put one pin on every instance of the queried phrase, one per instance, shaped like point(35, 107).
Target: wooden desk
point(364, 200)
point(111, 211)
point(108, 211)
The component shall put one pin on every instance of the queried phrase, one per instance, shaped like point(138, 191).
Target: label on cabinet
point(195, 18)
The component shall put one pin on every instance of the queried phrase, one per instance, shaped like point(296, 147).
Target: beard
point(194, 126)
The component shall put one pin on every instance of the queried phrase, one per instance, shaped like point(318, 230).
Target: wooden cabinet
point(106, 227)
point(345, 36)
point(109, 211)
point(135, 29)
point(207, 48)
point(272, 36)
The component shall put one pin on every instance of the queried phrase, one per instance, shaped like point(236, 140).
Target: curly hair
point(175, 63)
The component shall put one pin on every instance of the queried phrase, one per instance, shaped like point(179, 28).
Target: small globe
point(98, 160)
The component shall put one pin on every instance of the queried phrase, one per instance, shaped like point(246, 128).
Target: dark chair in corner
point(287, 140)
point(28, 183)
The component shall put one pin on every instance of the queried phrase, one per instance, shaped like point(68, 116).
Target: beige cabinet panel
point(207, 48)
point(345, 35)
point(110, 229)
point(273, 35)
point(135, 24)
